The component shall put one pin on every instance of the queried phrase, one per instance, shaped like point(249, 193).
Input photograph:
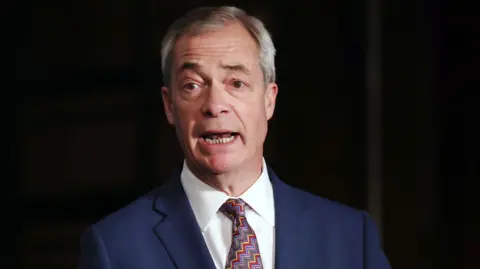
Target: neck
point(233, 183)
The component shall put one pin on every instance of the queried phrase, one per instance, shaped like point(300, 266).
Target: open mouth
point(219, 138)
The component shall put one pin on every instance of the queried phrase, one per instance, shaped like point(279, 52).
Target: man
point(225, 208)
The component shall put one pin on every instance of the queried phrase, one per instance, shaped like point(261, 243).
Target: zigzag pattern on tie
point(233, 209)
point(246, 257)
point(240, 226)
point(239, 242)
point(244, 252)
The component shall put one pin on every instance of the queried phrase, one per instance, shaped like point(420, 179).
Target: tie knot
point(233, 208)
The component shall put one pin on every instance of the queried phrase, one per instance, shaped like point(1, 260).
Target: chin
point(221, 163)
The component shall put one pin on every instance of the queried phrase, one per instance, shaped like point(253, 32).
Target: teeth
point(219, 140)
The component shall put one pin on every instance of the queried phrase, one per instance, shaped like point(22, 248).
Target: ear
point(167, 104)
point(270, 99)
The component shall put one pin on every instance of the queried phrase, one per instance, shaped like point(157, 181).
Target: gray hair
point(209, 18)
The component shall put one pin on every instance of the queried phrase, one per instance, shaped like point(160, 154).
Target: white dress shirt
point(217, 228)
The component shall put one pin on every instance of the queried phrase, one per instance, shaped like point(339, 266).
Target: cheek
point(256, 118)
point(182, 110)
point(184, 121)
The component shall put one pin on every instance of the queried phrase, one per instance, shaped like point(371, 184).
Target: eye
point(238, 84)
point(190, 86)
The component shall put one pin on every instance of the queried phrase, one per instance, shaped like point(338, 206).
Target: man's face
point(218, 101)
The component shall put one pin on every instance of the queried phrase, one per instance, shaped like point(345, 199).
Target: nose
point(216, 102)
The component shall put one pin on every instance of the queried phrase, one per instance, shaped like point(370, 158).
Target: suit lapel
point(289, 236)
point(178, 230)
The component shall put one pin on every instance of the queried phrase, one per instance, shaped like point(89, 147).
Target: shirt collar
point(205, 200)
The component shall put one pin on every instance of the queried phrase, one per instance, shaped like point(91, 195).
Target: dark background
point(85, 131)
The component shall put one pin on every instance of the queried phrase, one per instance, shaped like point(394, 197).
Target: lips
point(218, 137)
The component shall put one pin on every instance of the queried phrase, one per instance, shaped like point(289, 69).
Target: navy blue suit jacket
point(159, 231)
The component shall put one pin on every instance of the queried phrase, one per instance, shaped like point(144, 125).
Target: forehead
point(231, 44)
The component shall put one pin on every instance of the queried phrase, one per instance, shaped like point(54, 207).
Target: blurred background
point(372, 112)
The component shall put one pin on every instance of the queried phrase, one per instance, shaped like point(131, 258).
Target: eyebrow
point(188, 66)
point(196, 67)
point(237, 67)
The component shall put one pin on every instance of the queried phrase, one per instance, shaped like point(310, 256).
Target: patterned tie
point(244, 252)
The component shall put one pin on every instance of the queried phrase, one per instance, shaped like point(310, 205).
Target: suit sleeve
point(374, 257)
point(93, 254)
